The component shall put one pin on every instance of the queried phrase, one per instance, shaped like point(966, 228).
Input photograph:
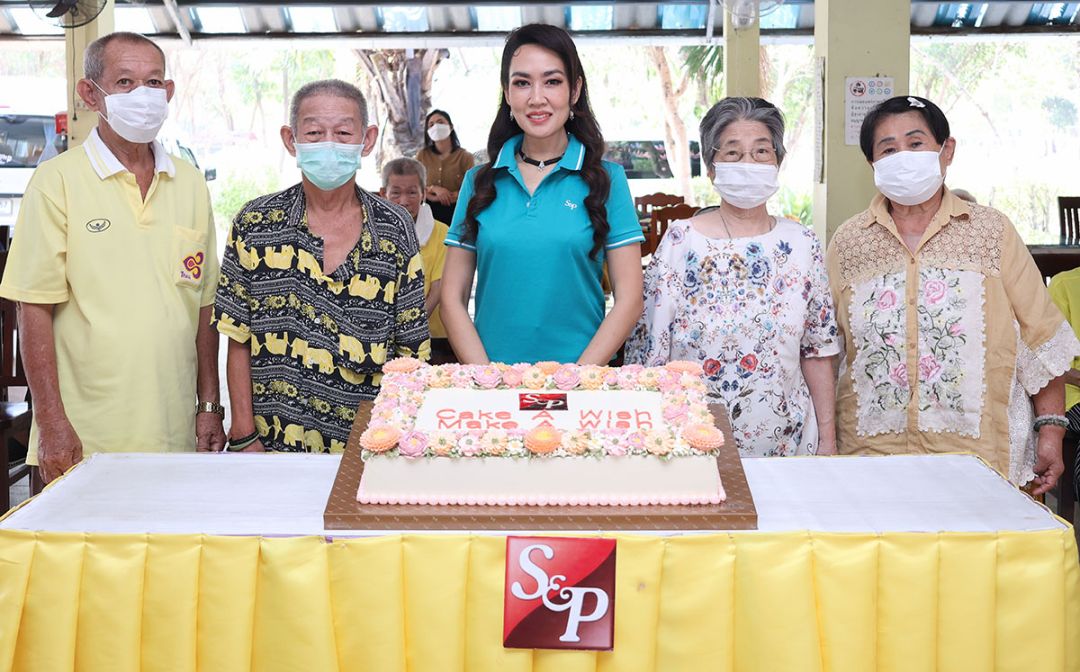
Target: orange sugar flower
point(704, 438)
point(549, 368)
point(543, 439)
point(379, 439)
point(402, 365)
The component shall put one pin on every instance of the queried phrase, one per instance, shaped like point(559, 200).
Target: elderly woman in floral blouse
point(745, 293)
point(950, 335)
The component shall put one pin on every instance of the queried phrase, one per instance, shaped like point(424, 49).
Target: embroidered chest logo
point(570, 204)
point(192, 269)
point(97, 225)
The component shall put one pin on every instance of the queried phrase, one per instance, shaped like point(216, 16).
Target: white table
point(285, 494)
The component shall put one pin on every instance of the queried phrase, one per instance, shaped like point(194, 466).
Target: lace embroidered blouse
point(749, 309)
point(943, 346)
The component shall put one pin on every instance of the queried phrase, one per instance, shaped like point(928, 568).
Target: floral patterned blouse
point(943, 346)
point(749, 309)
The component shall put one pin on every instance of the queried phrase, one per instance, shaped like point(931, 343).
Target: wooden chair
point(15, 416)
point(645, 204)
point(1069, 216)
point(661, 218)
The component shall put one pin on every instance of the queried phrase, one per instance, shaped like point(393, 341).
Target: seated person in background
point(1065, 292)
point(446, 164)
point(320, 285)
point(403, 182)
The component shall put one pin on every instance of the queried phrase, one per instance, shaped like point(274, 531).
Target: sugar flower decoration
point(543, 439)
point(487, 377)
point(379, 439)
point(534, 378)
point(548, 367)
point(566, 377)
point(413, 444)
point(402, 365)
point(702, 437)
point(684, 366)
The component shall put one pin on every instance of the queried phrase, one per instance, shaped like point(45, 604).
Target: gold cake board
point(343, 512)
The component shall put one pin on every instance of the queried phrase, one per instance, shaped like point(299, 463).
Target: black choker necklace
point(540, 165)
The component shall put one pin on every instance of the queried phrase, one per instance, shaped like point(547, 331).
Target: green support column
point(853, 38)
point(742, 58)
point(80, 119)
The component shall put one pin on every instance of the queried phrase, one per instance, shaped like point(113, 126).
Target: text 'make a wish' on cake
point(541, 435)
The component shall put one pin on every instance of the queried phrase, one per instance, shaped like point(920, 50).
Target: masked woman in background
point(445, 162)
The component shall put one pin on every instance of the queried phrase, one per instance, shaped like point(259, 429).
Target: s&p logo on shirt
point(559, 593)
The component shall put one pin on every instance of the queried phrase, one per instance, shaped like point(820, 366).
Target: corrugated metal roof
point(481, 20)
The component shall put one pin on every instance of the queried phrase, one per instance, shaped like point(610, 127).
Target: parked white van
point(25, 141)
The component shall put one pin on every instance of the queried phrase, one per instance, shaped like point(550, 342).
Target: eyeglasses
point(763, 154)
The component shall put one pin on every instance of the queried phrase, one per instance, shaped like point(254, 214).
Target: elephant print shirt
point(318, 340)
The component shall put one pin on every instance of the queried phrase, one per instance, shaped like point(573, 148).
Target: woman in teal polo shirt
point(537, 223)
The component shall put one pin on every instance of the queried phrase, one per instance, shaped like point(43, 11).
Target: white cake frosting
point(540, 435)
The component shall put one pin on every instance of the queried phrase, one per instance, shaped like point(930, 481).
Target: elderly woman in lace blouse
point(950, 336)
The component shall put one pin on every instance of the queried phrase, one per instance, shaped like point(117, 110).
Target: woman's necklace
point(731, 238)
point(540, 165)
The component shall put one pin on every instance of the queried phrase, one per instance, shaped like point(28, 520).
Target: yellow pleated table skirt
point(784, 602)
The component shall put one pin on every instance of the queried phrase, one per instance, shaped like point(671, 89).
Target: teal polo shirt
point(538, 294)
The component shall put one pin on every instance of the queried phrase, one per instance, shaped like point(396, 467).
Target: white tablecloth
point(271, 495)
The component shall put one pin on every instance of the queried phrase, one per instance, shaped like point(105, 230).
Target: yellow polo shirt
point(433, 257)
point(127, 278)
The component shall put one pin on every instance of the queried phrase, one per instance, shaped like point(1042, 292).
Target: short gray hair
point(404, 166)
point(94, 56)
point(327, 87)
point(737, 108)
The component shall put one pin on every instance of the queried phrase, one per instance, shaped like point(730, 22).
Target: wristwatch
point(210, 407)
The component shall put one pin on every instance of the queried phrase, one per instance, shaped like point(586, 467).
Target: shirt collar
point(105, 163)
point(952, 206)
point(572, 158)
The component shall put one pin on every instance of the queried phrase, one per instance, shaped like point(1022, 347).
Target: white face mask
point(137, 115)
point(439, 132)
point(909, 178)
point(745, 185)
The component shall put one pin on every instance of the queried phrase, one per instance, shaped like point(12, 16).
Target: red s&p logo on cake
point(559, 593)
point(536, 401)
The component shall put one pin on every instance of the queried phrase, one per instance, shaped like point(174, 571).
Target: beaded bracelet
point(242, 442)
point(1056, 420)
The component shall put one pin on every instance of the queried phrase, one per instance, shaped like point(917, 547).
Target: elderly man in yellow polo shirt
point(114, 268)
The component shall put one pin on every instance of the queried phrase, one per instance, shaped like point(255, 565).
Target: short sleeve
point(213, 263)
point(232, 303)
point(36, 270)
point(650, 342)
point(455, 237)
point(1047, 344)
point(438, 252)
point(621, 216)
point(820, 337)
point(412, 338)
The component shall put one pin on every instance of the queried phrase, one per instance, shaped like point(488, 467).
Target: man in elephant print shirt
point(314, 342)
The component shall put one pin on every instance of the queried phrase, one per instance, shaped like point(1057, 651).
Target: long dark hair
point(429, 143)
point(583, 126)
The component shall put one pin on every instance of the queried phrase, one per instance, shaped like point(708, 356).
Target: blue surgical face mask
point(328, 165)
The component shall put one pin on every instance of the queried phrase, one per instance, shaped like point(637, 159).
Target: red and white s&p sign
point(559, 593)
